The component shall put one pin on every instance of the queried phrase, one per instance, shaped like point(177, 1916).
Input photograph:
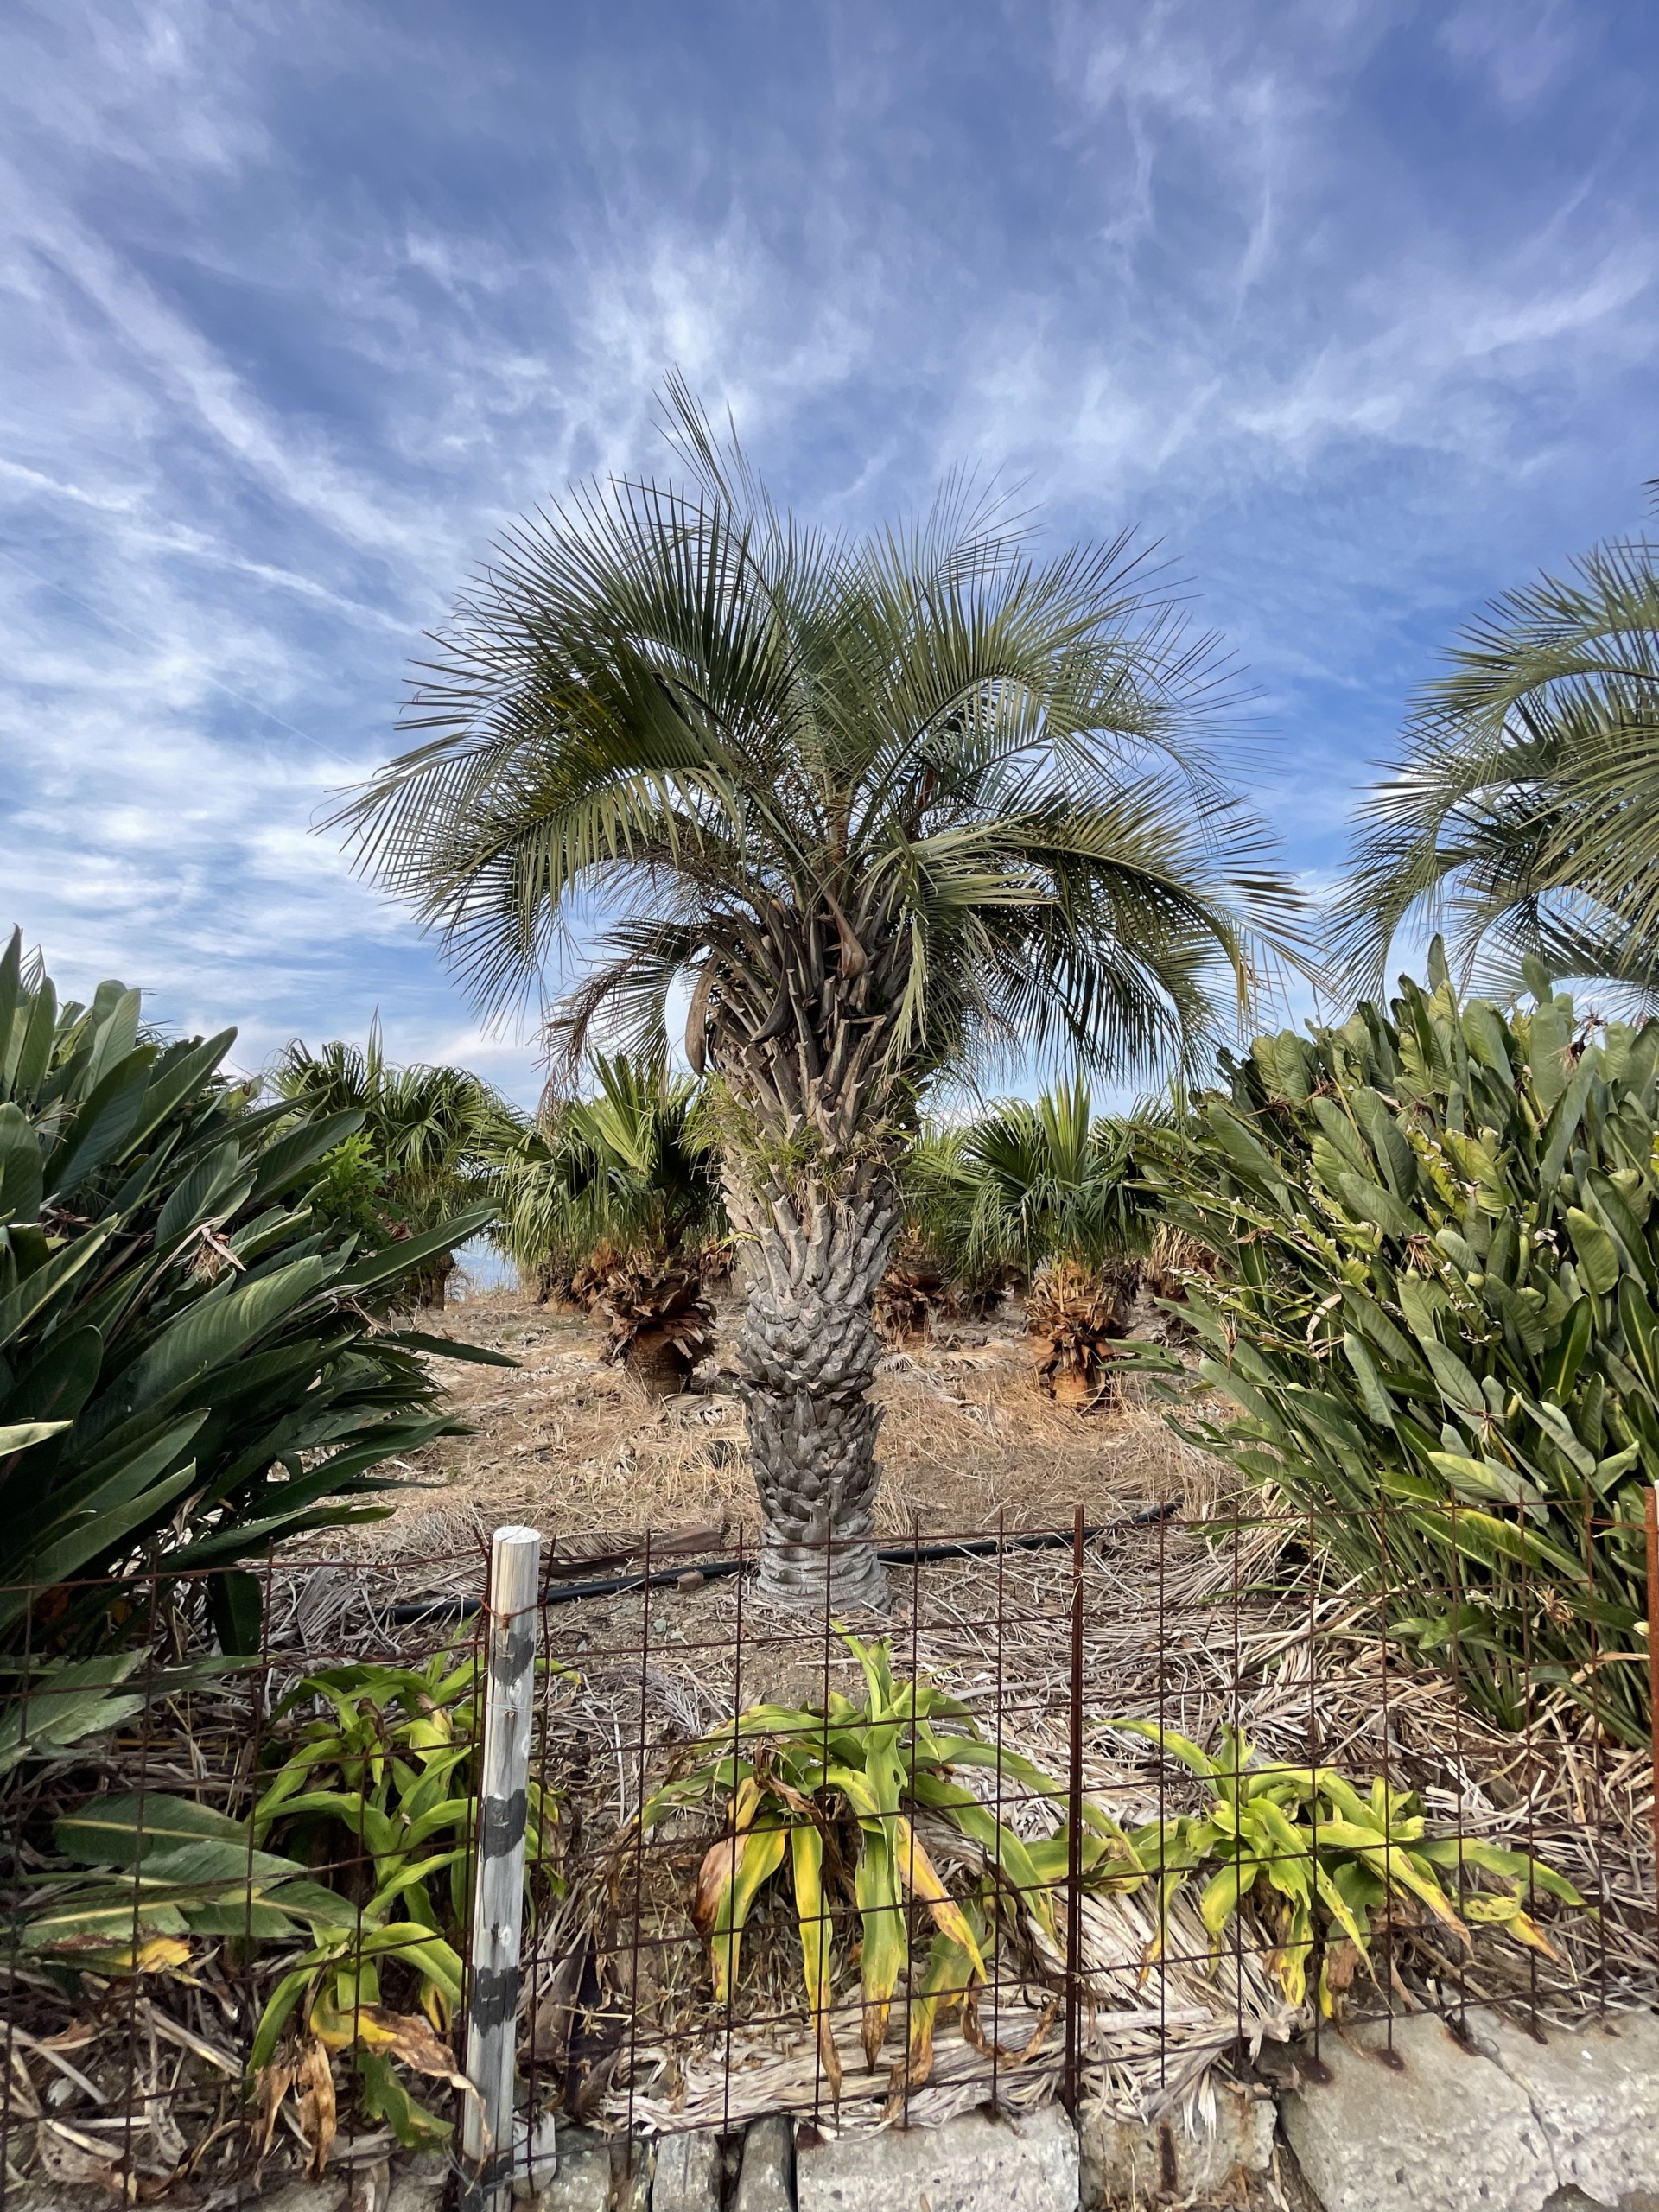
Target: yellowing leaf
point(920, 1876)
point(1509, 1915)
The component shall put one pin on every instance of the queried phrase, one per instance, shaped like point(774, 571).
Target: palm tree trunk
point(812, 1259)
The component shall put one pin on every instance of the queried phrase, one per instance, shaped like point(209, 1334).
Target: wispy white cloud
point(1520, 50)
point(298, 310)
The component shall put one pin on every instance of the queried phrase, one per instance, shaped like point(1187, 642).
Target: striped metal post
point(498, 1863)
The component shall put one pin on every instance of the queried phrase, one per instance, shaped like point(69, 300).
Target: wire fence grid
point(1049, 1928)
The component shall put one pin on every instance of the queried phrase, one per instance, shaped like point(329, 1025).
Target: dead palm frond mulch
point(571, 1443)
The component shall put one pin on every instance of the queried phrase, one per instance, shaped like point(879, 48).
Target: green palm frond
point(437, 1133)
point(924, 784)
point(632, 1167)
point(1521, 816)
point(1032, 1182)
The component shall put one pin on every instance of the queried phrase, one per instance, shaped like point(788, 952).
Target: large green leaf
point(398, 1259)
point(66, 1554)
point(38, 1289)
point(21, 1186)
point(18, 1436)
point(1499, 1376)
point(163, 1835)
point(58, 1382)
point(213, 1333)
point(101, 1127)
point(187, 1368)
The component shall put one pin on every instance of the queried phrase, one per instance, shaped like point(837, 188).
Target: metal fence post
point(1652, 1518)
point(1074, 1833)
point(499, 1862)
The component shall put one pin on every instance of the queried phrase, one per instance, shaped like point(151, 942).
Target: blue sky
point(1351, 305)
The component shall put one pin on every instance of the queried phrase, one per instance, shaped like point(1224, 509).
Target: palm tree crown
point(1031, 1181)
point(1521, 818)
point(630, 1167)
point(885, 807)
point(918, 783)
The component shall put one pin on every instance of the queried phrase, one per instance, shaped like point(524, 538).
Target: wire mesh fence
point(1094, 1813)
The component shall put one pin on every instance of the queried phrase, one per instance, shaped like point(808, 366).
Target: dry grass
point(574, 1446)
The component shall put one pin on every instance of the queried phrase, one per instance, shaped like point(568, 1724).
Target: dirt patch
point(572, 1445)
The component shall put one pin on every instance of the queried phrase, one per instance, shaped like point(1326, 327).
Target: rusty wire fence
point(1096, 1814)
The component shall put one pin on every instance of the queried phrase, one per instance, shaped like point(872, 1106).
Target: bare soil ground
point(572, 1445)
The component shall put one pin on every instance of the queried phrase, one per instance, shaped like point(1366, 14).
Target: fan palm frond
point(1521, 816)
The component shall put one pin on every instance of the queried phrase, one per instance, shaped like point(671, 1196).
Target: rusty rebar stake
point(1652, 1504)
point(1074, 1824)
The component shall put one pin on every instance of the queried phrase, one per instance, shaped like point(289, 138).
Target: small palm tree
point(1523, 816)
point(1047, 1188)
point(884, 808)
point(615, 1198)
point(430, 1144)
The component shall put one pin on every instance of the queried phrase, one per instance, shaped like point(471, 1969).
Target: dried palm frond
point(660, 1322)
point(1074, 1313)
point(914, 1293)
point(1174, 1260)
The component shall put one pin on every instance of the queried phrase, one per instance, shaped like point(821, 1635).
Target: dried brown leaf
point(315, 2083)
point(409, 2035)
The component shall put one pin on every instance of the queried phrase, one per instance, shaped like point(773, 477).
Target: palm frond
point(887, 805)
point(1520, 814)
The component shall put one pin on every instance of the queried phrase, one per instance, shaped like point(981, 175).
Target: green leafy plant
point(1318, 1859)
point(166, 1870)
point(351, 1191)
point(615, 1199)
point(55, 1704)
point(386, 1781)
point(191, 1366)
point(840, 1788)
point(429, 1146)
point(377, 1795)
point(1048, 1189)
point(832, 1793)
point(1436, 1315)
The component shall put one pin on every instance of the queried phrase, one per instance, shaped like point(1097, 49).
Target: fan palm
point(618, 1195)
point(1521, 817)
point(432, 1137)
point(885, 807)
point(1046, 1187)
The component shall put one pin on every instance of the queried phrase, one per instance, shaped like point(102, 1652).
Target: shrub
point(615, 1200)
point(381, 1790)
point(1046, 1190)
point(350, 1193)
point(430, 1144)
point(1440, 1263)
point(1327, 1868)
point(190, 1367)
point(860, 1774)
point(823, 1790)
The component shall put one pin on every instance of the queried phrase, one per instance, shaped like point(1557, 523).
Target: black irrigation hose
point(617, 1585)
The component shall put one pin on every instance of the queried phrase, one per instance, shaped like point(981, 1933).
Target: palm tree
point(617, 1196)
point(1048, 1188)
point(430, 1143)
point(885, 807)
point(1521, 818)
